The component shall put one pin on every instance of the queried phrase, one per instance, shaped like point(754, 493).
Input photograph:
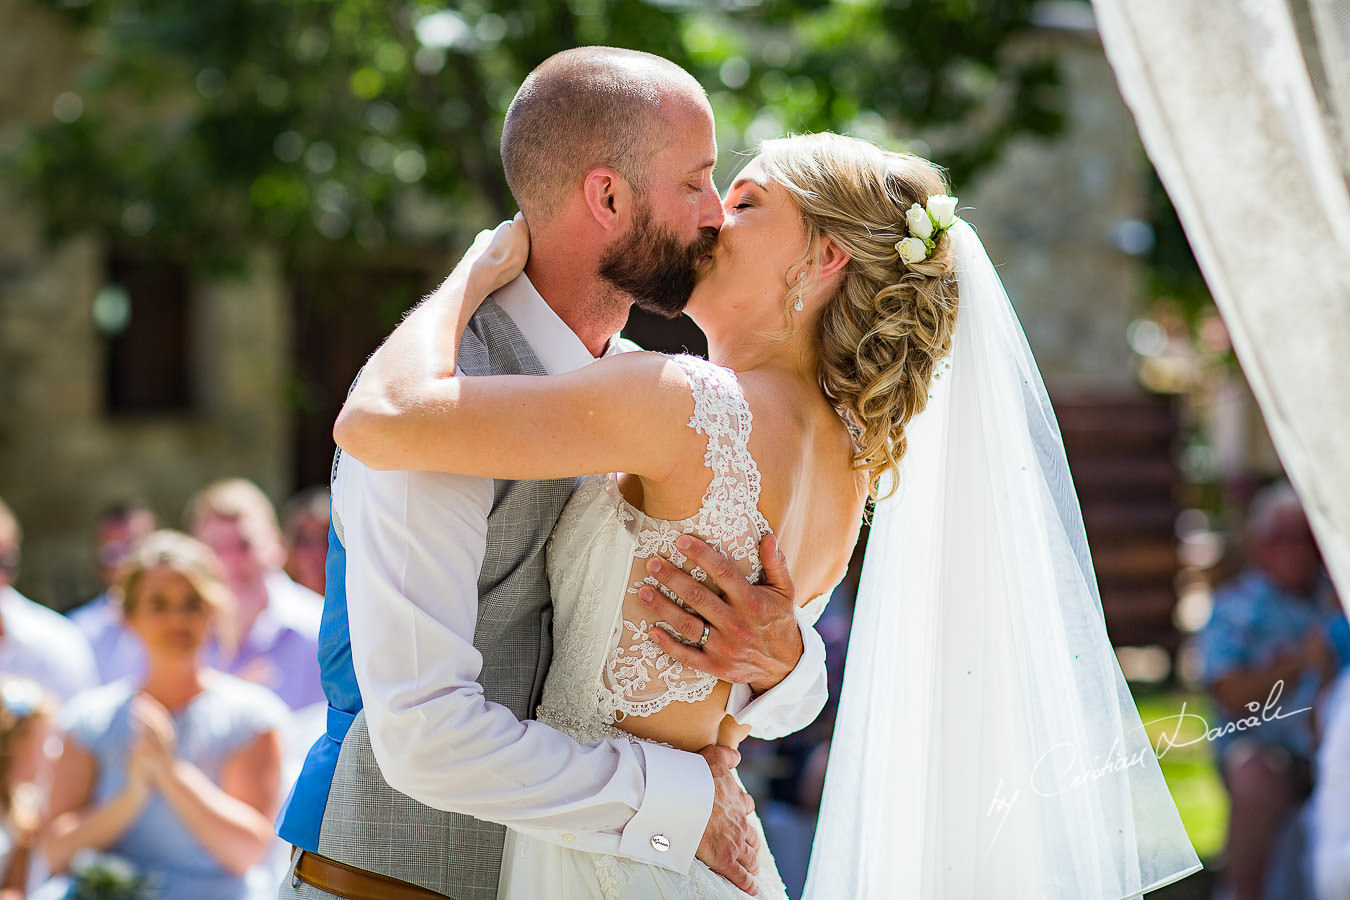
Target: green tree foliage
point(316, 124)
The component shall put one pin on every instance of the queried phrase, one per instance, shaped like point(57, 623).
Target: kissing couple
point(559, 590)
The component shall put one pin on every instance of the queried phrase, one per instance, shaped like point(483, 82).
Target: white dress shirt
point(43, 645)
point(415, 543)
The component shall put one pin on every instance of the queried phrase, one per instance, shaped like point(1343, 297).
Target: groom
point(437, 625)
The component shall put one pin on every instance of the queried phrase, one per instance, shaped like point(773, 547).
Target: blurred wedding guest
point(275, 628)
point(177, 775)
point(117, 652)
point(1266, 654)
point(304, 527)
point(25, 721)
point(36, 642)
point(1331, 798)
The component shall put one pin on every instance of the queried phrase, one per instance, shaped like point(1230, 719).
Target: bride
point(986, 745)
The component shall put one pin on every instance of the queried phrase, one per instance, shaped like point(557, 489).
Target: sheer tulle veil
point(987, 744)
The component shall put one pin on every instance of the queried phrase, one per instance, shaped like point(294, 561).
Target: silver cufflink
point(660, 843)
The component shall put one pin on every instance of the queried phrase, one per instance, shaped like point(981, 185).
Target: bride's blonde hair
point(883, 334)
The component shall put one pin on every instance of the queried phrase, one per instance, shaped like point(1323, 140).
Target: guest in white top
point(36, 642)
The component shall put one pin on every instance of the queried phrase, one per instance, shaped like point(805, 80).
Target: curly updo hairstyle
point(884, 333)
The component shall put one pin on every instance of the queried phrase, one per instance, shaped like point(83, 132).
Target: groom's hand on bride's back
point(753, 635)
point(730, 846)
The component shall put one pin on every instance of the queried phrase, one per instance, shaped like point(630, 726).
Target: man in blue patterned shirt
point(1266, 654)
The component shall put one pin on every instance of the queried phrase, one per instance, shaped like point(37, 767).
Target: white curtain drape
point(1244, 109)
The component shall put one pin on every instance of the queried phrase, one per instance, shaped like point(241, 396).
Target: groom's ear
point(608, 197)
point(833, 257)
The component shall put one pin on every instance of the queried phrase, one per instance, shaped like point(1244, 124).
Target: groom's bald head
point(586, 108)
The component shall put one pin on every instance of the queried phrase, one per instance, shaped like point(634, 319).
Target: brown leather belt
point(352, 883)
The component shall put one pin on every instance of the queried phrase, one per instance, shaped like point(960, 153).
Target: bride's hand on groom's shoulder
point(498, 255)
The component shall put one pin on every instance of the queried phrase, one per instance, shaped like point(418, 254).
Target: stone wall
point(1050, 213)
point(62, 457)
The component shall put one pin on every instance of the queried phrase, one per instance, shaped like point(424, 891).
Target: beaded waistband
point(587, 731)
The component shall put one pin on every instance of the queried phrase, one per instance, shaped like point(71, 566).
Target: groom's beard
point(653, 267)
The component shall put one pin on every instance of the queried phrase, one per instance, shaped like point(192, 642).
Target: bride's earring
point(799, 304)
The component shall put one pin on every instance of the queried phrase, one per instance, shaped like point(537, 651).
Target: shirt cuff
point(668, 827)
point(794, 702)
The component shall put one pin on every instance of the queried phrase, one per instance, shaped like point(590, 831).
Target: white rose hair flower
point(942, 208)
point(911, 250)
point(926, 224)
point(916, 217)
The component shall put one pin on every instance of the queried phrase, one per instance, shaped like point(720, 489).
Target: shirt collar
point(557, 346)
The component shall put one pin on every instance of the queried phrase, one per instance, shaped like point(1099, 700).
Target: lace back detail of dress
point(639, 678)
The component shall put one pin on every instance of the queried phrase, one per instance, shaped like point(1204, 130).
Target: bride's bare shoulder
point(811, 493)
point(795, 425)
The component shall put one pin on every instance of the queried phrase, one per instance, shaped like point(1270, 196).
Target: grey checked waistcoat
point(367, 823)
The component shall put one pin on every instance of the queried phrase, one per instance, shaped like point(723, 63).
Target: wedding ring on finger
point(696, 643)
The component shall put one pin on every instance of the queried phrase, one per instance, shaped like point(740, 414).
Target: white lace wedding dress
point(605, 666)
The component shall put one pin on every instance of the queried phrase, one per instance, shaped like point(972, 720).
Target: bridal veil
point(986, 743)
